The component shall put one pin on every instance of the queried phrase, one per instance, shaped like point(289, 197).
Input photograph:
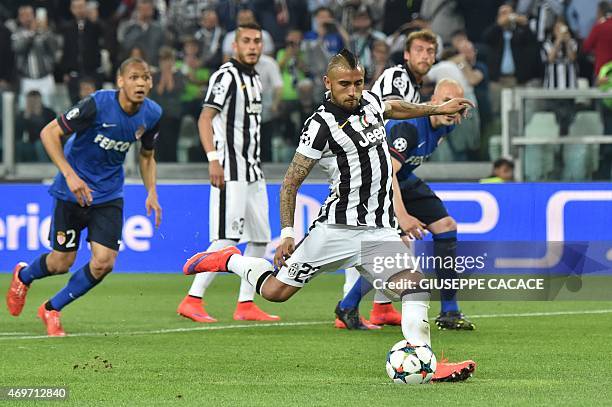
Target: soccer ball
point(408, 364)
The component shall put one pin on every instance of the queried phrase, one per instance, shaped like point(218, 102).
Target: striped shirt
point(398, 83)
point(235, 91)
point(352, 149)
point(562, 73)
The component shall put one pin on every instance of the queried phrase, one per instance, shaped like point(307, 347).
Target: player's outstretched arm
point(51, 137)
point(400, 109)
point(148, 172)
point(297, 172)
point(215, 170)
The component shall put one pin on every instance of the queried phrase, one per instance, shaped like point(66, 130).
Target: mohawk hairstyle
point(344, 58)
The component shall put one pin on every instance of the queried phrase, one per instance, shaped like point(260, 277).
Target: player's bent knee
point(60, 262)
point(277, 291)
point(101, 267)
point(404, 283)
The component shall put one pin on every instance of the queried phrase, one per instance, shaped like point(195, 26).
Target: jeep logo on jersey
point(375, 134)
point(254, 108)
point(110, 144)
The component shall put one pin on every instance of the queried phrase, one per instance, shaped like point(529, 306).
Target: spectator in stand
point(560, 49)
point(600, 44)
point(210, 36)
point(228, 10)
point(326, 39)
point(581, 15)
point(380, 62)
point(196, 78)
point(246, 16)
point(397, 12)
point(296, 99)
point(478, 15)
point(87, 86)
point(168, 86)
point(599, 41)
point(81, 50)
point(142, 31)
point(137, 52)
point(327, 32)
point(464, 144)
point(513, 57)
point(35, 47)
point(503, 171)
point(7, 67)
point(481, 90)
point(604, 81)
point(272, 85)
point(28, 125)
point(362, 40)
point(299, 17)
point(184, 16)
point(443, 17)
point(273, 17)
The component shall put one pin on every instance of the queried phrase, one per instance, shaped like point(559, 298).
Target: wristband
point(212, 155)
point(287, 232)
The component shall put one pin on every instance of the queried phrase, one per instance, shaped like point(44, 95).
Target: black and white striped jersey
point(235, 91)
point(352, 149)
point(397, 83)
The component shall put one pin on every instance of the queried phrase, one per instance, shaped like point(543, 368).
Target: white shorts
point(334, 247)
point(239, 212)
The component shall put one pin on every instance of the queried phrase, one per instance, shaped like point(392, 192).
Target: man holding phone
point(34, 47)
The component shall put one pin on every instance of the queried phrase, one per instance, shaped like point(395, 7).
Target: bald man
point(417, 207)
point(346, 135)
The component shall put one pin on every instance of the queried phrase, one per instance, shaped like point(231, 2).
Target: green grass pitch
point(130, 348)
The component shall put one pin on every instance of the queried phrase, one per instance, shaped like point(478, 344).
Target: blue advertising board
point(490, 212)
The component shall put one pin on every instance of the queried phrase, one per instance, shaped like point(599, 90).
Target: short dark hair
point(501, 162)
point(604, 8)
point(33, 93)
point(128, 62)
point(323, 8)
point(344, 58)
point(423, 35)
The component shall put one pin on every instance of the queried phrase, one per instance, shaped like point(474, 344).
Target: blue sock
point(80, 282)
point(355, 294)
point(35, 271)
point(445, 245)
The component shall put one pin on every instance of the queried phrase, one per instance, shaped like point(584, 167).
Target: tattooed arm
point(400, 109)
point(297, 172)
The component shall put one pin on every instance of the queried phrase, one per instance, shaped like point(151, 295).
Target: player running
point(417, 207)
point(88, 190)
point(230, 124)
point(346, 136)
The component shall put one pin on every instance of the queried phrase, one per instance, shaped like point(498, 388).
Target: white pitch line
point(5, 335)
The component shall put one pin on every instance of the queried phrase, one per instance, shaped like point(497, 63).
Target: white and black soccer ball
point(410, 364)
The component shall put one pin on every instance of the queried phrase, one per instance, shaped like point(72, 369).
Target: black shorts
point(104, 223)
point(421, 202)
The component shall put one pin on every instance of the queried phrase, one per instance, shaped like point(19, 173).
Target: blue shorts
point(104, 223)
point(421, 202)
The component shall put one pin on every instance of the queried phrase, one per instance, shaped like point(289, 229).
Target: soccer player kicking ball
point(417, 207)
point(347, 136)
point(230, 126)
point(88, 190)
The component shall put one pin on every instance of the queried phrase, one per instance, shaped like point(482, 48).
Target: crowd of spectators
point(486, 45)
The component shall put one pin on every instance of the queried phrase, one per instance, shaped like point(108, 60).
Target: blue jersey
point(412, 141)
point(102, 133)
